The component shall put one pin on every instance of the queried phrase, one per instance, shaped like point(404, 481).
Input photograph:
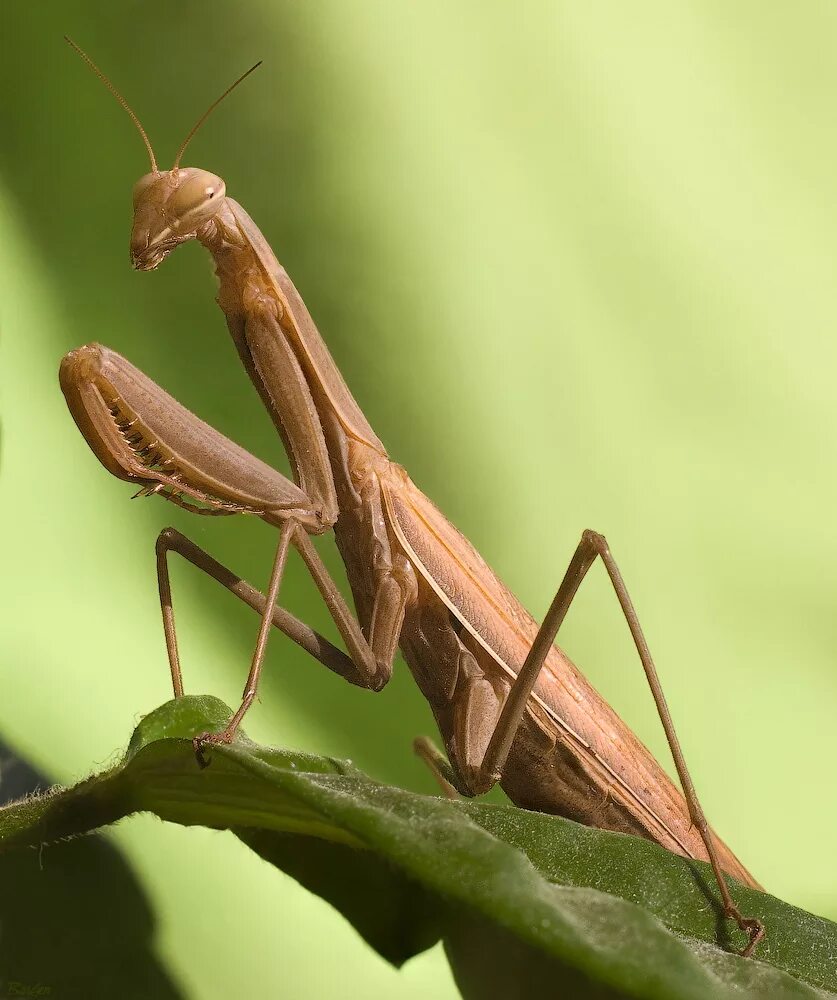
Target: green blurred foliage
point(576, 263)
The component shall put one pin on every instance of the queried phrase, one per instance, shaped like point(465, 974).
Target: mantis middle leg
point(369, 663)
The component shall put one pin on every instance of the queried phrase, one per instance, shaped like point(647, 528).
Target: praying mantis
point(510, 705)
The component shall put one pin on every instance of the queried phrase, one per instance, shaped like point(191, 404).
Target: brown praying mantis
point(510, 706)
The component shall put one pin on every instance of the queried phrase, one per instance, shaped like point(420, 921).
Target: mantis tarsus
point(510, 706)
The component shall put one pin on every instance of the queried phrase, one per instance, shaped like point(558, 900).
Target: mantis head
point(169, 209)
point(171, 206)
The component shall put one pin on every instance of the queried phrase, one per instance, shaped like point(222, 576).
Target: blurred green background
point(577, 265)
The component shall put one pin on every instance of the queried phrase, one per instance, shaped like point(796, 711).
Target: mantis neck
point(256, 294)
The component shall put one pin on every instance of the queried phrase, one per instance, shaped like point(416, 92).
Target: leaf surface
point(522, 901)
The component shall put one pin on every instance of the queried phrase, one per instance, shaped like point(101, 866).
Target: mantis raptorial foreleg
point(145, 436)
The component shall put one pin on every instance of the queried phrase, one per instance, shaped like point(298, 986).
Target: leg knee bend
point(594, 540)
point(166, 540)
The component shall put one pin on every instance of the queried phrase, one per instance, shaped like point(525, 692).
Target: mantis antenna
point(121, 100)
point(208, 112)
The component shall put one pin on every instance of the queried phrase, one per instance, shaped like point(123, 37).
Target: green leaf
point(522, 901)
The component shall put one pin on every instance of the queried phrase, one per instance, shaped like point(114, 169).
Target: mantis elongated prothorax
point(511, 707)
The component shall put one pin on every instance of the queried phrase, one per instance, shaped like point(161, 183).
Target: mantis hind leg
point(437, 764)
point(592, 546)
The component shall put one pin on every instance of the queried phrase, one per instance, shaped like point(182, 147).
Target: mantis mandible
point(510, 706)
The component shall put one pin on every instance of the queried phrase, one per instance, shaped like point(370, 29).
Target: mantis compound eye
point(196, 198)
point(142, 185)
